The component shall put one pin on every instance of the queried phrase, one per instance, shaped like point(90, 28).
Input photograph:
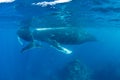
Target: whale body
point(56, 37)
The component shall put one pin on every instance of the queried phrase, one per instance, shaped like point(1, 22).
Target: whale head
point(24, 33)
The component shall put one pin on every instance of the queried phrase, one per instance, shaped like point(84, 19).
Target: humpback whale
point(56, 37)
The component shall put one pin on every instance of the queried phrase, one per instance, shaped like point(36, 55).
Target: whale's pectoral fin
point(56, 45)
point(31, 45)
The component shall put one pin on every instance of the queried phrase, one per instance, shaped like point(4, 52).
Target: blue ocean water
point(98, 60)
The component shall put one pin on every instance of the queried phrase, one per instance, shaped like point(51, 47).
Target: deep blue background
point(98, 17)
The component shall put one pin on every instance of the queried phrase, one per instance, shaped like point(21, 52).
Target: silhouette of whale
point(54, 36)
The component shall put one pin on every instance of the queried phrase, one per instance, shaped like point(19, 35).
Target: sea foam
point(6, 1)
point(45, 3)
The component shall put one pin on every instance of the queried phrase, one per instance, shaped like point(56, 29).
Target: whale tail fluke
point(31, 45)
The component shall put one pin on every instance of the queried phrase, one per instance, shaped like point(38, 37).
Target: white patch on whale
point(42, 29)
point(19, 40)
point(66, 51)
